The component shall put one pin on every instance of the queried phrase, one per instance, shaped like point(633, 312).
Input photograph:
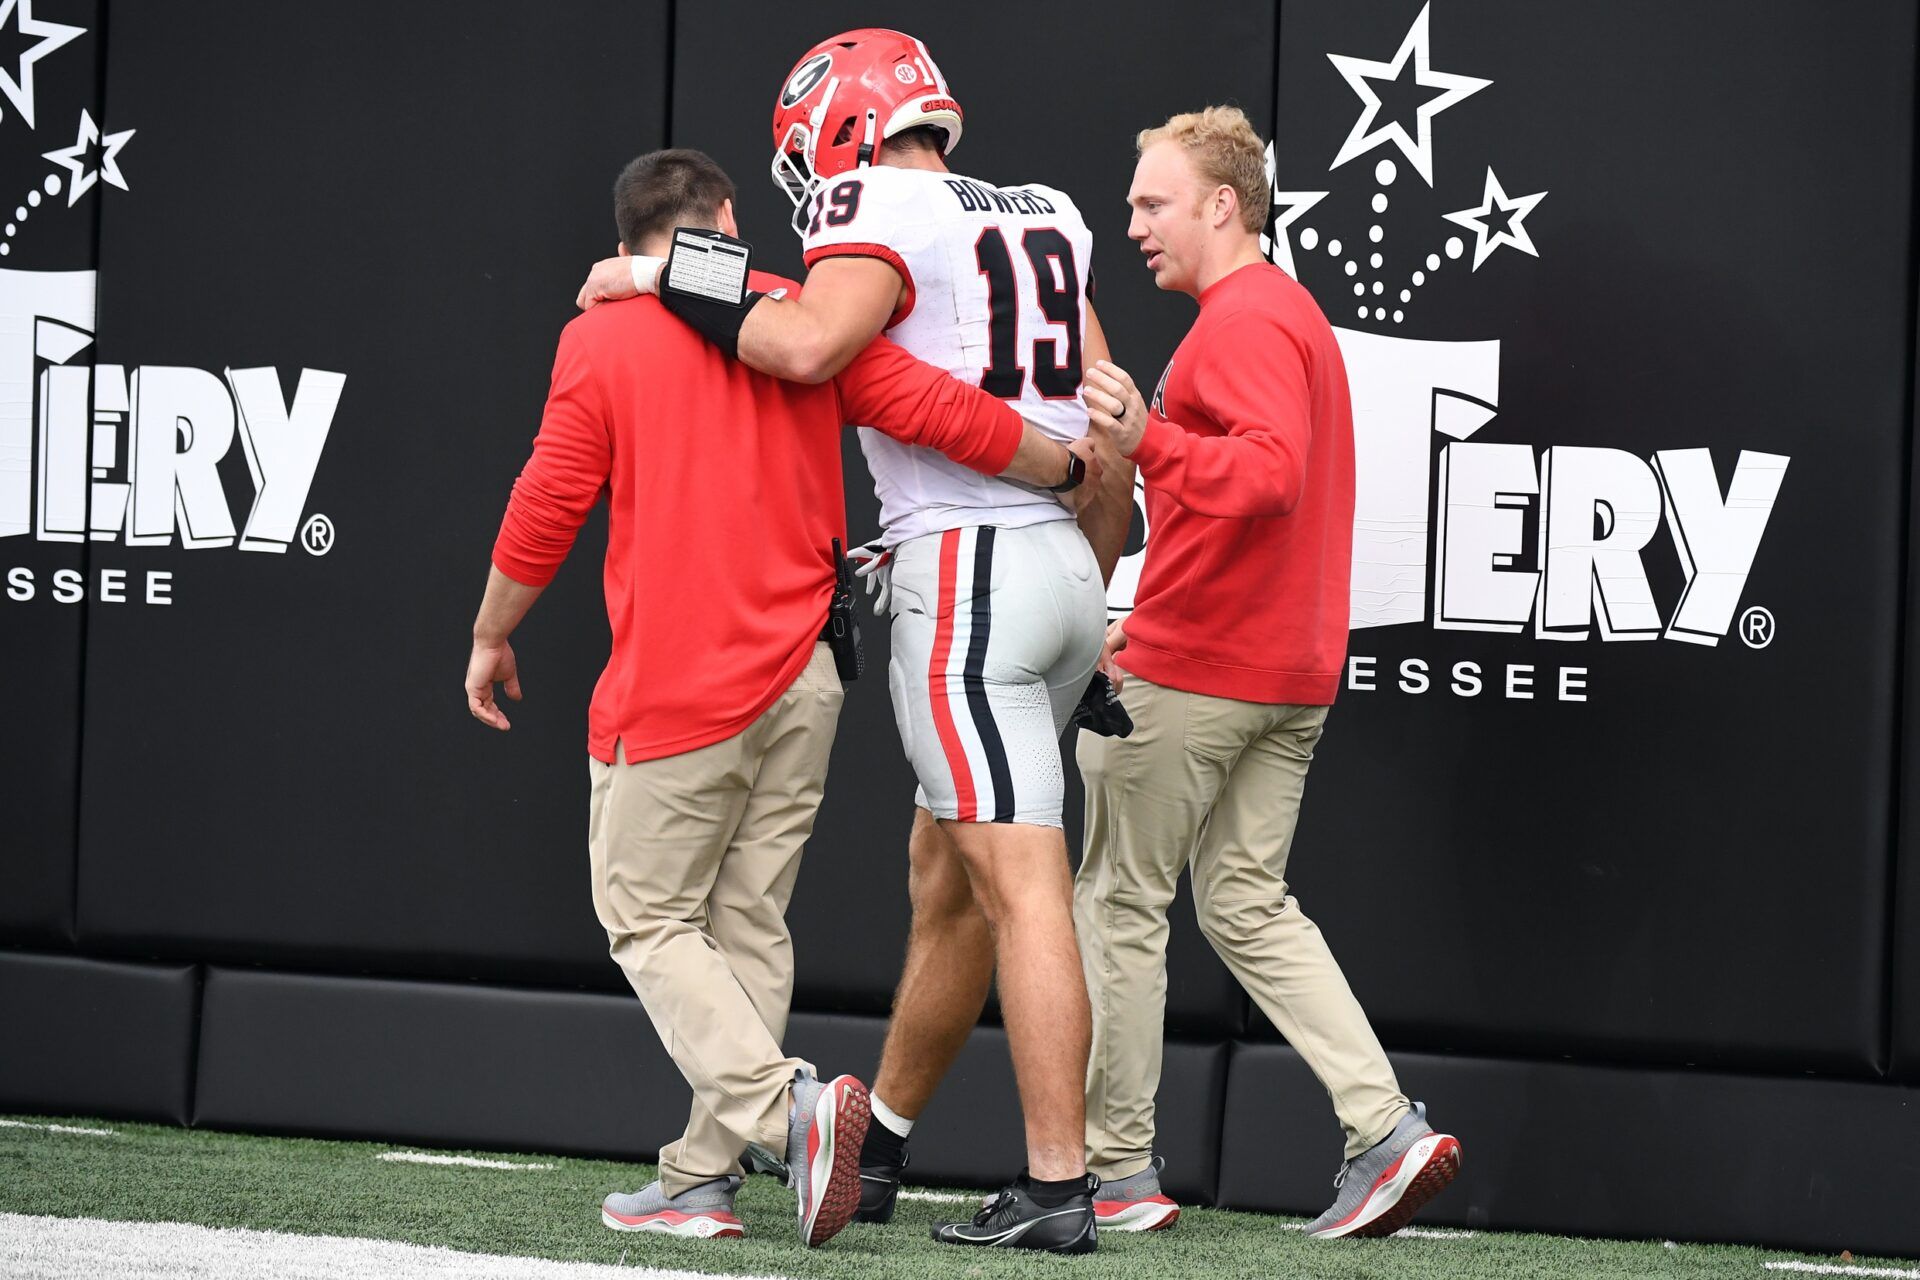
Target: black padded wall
point(1661, 396)
point(381, 238)
point(1672, 1155)
point(458, 1065)
point(47, 327)
point(540, 1070)
point(98, 1039)
point(1686, 865)
point(1904, 907)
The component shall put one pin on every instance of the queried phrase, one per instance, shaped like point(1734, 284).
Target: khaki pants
point(694, 858)
point(1214, 783)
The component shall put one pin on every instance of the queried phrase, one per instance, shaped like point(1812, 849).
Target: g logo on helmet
point(905, 73)
point(806, 78)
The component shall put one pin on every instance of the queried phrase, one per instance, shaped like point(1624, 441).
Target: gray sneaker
point(1385, 1185)
point(824, 1135)
point(1135, 1203)
point(704, 1212)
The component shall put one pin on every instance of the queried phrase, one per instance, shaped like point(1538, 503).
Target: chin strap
point(865, 155)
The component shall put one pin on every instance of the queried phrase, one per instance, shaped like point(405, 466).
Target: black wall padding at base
point(1678, 1155)
point(515, 1069)
point(435, 1063)
point(89, 1038)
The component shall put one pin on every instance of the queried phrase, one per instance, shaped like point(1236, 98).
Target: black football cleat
point(879, 1186)
point(1014, 1220)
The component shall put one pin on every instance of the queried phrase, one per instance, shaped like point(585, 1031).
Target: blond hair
point(1226, 152)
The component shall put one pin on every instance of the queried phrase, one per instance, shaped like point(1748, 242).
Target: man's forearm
point(786, 340)
point(888, 389)
point(808, 337)
point(1040, 460)
point(783, 341)
point(1107, 517)
point(501, 609)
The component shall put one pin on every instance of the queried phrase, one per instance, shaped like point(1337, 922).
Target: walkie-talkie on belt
point(842, 632)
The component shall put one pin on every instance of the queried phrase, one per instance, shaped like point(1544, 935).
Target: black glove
point(1101, 711)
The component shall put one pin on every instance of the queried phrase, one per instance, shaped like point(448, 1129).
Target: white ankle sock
point(896, 1123)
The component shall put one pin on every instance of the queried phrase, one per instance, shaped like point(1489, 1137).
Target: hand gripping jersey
point(996, 281)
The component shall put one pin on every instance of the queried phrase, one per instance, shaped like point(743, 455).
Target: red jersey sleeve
point(1252, 378)
point(572, 458)
point(891, 391)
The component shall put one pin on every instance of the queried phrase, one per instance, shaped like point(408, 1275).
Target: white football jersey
point(996, 295)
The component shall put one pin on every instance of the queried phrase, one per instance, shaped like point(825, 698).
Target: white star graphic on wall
point(1498, 221)
point(1287, 208)
point(79, 162)
point(18, 85)
point(1453, 88)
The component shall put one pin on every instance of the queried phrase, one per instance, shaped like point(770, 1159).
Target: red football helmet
point(849, 94)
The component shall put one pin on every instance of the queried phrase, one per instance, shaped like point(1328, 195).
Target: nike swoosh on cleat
point(1013, 1232)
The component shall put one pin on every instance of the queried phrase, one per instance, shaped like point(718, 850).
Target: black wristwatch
point(1076, 472)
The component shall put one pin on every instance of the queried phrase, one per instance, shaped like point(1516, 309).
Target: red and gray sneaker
point(1135, 1203)
point(1385, 1185)
point(704, 1212)
point(823, 1152)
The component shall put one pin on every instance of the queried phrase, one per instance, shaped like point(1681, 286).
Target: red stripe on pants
point(969, 810)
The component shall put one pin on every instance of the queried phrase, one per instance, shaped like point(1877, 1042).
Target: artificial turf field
point(147, 1174)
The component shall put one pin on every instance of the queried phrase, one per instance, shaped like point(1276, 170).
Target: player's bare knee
point(941, 892)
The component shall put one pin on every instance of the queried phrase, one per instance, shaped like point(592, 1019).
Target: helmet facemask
point(796, 161)
point(796, 167)
point(792, 171)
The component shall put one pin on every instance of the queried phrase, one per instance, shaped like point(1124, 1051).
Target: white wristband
point(646, 272)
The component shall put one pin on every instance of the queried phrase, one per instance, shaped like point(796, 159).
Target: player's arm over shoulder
point(858, 283)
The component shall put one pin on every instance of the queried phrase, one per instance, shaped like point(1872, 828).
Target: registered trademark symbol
point(317, 535)
point(1756, 628)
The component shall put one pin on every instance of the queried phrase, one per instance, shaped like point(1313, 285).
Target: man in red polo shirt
point(711, 726)
point(1228, 664)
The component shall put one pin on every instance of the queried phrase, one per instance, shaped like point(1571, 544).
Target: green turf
point(145, 1173)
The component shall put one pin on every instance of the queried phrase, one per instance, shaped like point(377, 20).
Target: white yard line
point(465, 1162)
point(940, 1197)
point(1836, 1269)
point(39, 1248)
point(1404, 1233)
point(58, 1128)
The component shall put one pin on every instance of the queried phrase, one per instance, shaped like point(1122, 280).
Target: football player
point(997, 596)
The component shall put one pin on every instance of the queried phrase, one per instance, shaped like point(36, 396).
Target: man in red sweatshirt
point(711, 726)
point(1228, 664)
